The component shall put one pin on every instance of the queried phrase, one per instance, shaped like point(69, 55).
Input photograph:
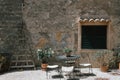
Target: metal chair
point(51, 68)
point(67, 71)
point(87, 63)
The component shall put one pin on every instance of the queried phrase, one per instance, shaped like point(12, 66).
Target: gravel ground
point(41, 75)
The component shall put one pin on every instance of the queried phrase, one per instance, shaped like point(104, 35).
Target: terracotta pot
point(104, 68)
point(44, 66)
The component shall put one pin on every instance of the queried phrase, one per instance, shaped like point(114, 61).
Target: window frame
point(85, 23)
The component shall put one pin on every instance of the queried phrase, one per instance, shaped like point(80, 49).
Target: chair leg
point(46, 74)
point(91, 69)
point(80, 70)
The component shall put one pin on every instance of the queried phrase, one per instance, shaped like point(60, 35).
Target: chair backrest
point(67, 68)
point(86, 57)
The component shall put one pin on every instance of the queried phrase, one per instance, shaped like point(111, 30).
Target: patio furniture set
point(71, 68)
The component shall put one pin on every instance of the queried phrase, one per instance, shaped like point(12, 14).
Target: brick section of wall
point(10, 21)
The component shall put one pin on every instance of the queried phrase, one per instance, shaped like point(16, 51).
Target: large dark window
point(94, 37)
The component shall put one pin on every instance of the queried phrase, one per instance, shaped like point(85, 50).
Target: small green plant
point(116, 55)
point(67, 50)
point(2, 59)
point(44, 54)
point(2, 62)
point(112, 64)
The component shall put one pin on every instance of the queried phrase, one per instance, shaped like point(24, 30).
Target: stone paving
point(41, 75)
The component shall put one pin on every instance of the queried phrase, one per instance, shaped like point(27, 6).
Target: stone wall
point(54, 22)
point(51, 23)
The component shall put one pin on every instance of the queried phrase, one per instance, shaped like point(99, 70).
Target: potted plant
point(117, 55)
point(103, 57)
point(118, 60)
point(2, 61)
point(43, 55)
point(67, 51)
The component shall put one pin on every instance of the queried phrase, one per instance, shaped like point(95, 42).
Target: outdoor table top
point(72, 57)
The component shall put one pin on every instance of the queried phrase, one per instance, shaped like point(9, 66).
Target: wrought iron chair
point(86, 63)
point(67, 71)
point(51, 68)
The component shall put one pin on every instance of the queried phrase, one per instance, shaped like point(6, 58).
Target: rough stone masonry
point(32, 24)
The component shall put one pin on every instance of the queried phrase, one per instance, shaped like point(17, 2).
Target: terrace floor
point(41, 75)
